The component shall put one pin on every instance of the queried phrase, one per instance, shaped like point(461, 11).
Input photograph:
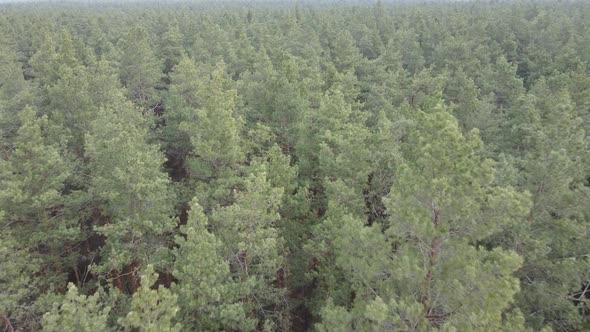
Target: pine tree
point(330, 154)
point(33, 178)
point(343, 51)
point(77, 313)
point(407, 41)
point(183, 95)
point(15, 93)
point(52, 58)
point(294, 213)
point(152, 310)
point(207, 296)
point(133, 191)
point(202, 132)
point(255, 250)
point(20, 288)
point(140, 69)
point(441, 204)
point(552, 165)
point(213, 130)
point(171, 49)
point(75, 98)
point(277, 96)
point(44, 62)
point(36, 231)
point(186, 83)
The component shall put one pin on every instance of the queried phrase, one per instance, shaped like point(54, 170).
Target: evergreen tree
point(77, 313)
point(20, 288)
point(133, 191)
point(171, 49)
point(183, 95)
point(140, 69)
point(213, 130)
point(32, 180)
point(553, 168)
point(15, 94)
point(76, 97)
point(412, 55)
point(255, 251)
point(441, 204)
point(44, 62)
point(207, 296)
point(330, 152)
point(344, 53)
point(276, 97)
point(35, 230)
point(152, 310)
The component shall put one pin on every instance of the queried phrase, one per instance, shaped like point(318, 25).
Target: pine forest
point(295, 165)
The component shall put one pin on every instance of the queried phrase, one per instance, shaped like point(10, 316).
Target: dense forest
point(295, 166)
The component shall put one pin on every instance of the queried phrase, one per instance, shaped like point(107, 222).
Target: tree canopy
point(295, 166)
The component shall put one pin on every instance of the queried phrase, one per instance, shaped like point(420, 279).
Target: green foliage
point(441, 203)
point(553, 168)
point(276, 97)
point(171, 49)
point(287, 167)
point(152, 310)
point(443, 197)
point(254, 249)
point(31, 199)
point(207, 295)
point(77, 313)
point(127, 179)
point(19, 287)
point(75, 97)
point(140, 68)
point(212, 127)
point(15, 94)
point(34, 173)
